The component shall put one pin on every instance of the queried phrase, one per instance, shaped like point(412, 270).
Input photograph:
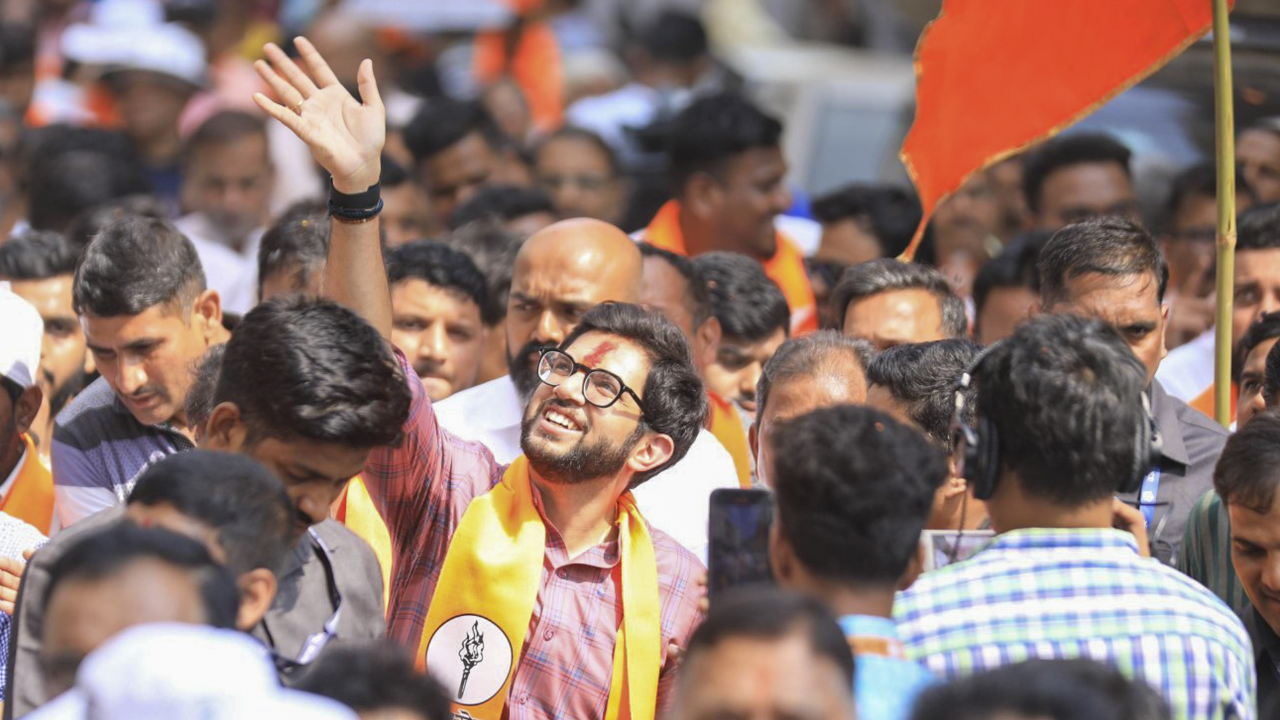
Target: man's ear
point(781, 557)
point(27, 407)
point(651, 452)
point(701, 196)
point(1164, 326)
point(224, 430)
point(207, 308)
point(915, 568)
point(257, 592)
point(708, 342)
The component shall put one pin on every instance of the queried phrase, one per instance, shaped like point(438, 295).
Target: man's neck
point(845, 600)
point(700, 237)
point(583, 513)
point(1012, 509)
point(11, 456)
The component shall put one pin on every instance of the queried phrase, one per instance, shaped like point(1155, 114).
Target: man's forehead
point(1257, 357)
point(154, 322)
point(1259, 265)
point(1105, 296)
point(618, 355)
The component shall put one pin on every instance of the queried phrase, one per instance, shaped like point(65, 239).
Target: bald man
point(563, 271)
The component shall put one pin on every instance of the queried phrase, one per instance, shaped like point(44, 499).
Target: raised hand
point(345, 136)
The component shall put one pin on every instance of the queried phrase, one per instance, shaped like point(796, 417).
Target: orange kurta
point(724, 423)
point(31, 497)
point(786, 267)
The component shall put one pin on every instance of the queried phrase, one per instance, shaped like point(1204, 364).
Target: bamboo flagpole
point(1226, 160)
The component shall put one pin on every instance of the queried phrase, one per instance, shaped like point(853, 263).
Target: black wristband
point(359, 201)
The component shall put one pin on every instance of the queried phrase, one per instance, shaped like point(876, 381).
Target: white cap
point(129, 35)
point(21, 334)
point(170, 671)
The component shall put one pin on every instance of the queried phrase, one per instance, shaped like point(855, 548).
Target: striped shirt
point(1206, 554)
point(1069, 593)
point(423, 486)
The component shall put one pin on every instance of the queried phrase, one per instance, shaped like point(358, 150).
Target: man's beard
point(586, 460)
point(523, 368)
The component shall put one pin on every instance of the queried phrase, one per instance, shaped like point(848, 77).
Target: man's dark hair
point(1259, 228)
point(1271, 379)
point(204, 381)
point(68, 184)
point(1049, 689)
point(393, 173)
point(243, 502)
point(1261, 330)
point(503, 203)
point(923, 377)
point(443, 122)
point(854, 489)
point(493, 249)
point(749, 304)
point(888, 212)
point(1199, 180)
point(570, 132)
point(134, 264)
point(1064, 152)
point(1248, 471)
point(17, 46)
point(1014, 267)
point(765, 612)
point(369, 678)
point(298, 243)
point(440, 266)
point(1065, 396)
point(221, 129)
point(885, 275)
point(104, 553)
point(697, 296)
point(675, 402)
point(1106, 246)
point(311, 369)
point(712, 130)
point(37, 255)
point(825, 353)
point(86, 226)
point(675, 38)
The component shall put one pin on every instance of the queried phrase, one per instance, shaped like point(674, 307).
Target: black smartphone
point(738, 538)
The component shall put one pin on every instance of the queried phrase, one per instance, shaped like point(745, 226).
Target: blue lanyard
point(1147, 496)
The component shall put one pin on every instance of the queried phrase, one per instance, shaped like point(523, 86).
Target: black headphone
point(977, 447)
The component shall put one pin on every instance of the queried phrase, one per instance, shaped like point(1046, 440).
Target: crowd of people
point(334, 390)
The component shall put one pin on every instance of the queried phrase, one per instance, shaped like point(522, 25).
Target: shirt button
point(548, 634)
point(562, 573)
point(524, 698)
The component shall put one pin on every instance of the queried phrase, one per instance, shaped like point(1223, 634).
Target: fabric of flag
point(994, 77)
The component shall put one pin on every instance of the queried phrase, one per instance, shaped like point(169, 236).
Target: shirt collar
point(868, 626)
point(1165, 412)
point(604, 555)
point(1063, 538)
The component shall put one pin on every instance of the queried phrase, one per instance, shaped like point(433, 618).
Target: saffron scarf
point(483, 603)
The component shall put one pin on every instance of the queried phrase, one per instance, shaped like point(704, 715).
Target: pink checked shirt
point(422, 489)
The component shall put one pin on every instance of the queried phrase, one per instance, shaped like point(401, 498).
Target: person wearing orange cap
point(26, 485)
point(727, 173)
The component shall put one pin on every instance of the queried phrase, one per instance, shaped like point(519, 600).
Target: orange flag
point(994, 77)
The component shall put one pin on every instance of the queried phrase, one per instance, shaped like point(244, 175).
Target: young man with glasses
point(536, 589)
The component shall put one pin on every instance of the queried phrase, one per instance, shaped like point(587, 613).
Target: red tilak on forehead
point(598, 354)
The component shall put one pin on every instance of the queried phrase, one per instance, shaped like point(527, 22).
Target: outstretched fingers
point(287, 117)
point(368, 85)
point(288, 96)
point(287, 68)
point(320, 69)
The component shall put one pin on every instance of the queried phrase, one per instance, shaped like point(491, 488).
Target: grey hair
point(823, 352)
point(886, 274)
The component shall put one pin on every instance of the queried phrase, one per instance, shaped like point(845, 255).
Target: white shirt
point(1188, 370)
point(676, 501)
point(233, 274)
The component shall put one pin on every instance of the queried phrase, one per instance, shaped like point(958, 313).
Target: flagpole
point(1226, 212)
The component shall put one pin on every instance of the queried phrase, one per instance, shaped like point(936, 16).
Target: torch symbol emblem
point(471, 654)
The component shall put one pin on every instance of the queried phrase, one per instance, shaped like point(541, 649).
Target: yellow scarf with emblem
point(483, 603)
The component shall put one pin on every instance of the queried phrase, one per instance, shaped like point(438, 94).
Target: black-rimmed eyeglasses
point(599, 386)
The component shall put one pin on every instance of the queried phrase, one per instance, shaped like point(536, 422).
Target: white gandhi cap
point(21, 333)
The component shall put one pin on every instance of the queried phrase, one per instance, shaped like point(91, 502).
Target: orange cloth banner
point(994, 77)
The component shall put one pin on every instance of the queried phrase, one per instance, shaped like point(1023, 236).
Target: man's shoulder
point(707, 454)
point(678, 568)
point(1203, 438)
point(92, 411)
point(339, 539)
point(58, 544)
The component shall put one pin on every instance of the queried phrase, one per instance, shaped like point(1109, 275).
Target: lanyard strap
point(1147, 496)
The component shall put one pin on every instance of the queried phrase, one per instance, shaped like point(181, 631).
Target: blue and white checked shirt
point(1069, 593)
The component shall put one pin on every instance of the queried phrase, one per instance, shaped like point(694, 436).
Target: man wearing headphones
point(1060, 428)
point(1112, 270)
